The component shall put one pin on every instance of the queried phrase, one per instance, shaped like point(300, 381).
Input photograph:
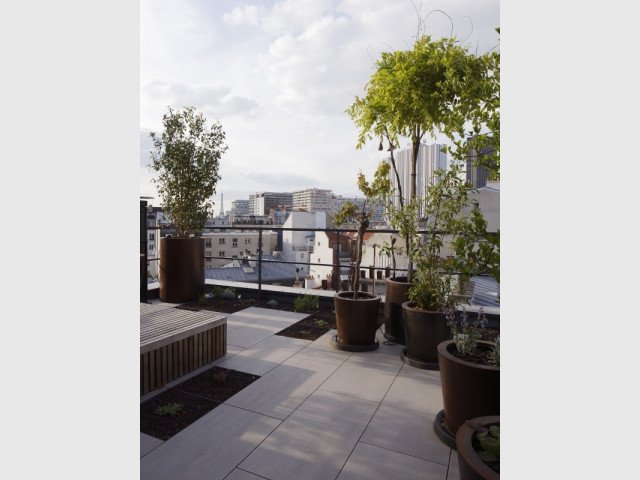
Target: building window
point(152, 236)
point(247, 241)
point(207, 243)
point(235, 242)
point(221, 241)
point(221, 254)
point(302, 256)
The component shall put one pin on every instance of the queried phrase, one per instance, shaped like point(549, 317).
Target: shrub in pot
point(434, 283)
point(357, 311)
point(186, 158)
point(469, 373)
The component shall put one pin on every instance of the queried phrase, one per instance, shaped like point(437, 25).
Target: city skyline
point(278, 75)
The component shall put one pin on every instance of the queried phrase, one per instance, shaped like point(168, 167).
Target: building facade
point(430, 159)
point(477, 175)
point(263, 202)
point(312, 200)
point(235, 244)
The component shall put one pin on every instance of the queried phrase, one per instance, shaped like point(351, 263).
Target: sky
point(279, 75)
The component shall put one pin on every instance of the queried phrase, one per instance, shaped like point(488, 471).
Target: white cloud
point(279, 75)
point(215, 101)
point(246, 15)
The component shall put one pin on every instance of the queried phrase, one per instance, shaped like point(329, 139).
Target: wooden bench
point(174, 342)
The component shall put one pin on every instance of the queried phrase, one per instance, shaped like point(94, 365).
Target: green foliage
point(306, 303)
point(374, 192)
point(320, 323)
point(390, 250)
point(217, 291)
point(489, 442)
point(446, 196)
point(186, 158)
point(477, 251)
point(169, 409)
point(436, 86)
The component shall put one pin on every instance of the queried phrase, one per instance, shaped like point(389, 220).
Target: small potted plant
point(469, 373)
point(356, 311)
point(186, 157)
point(478, 442)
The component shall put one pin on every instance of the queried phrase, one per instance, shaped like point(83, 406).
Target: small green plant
point(217, 291)
point(202, 299)
point(169, 409)
point(230, 293)
point(273, 303)
point(320, 323)
point(307, 302)
point(467, 334)
point(305, 332)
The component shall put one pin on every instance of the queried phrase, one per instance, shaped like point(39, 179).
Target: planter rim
point(362, 296)
point(410, 305)
point(464, 443)
point(397, 279)
point(444, 347)
point(169, 239)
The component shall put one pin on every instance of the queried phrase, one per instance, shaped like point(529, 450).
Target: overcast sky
point(278, 75)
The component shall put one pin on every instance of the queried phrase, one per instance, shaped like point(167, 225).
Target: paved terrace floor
point(315, 413)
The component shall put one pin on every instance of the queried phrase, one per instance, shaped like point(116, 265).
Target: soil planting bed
point(196, 396)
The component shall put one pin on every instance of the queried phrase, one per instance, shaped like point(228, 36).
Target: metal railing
point(339, 265)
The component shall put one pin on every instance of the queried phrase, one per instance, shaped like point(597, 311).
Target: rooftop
point(315, 413)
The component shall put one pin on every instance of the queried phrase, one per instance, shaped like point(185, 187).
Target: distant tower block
point(221, 204)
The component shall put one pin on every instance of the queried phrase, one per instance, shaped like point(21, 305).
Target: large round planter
point(424, 330)
point(181, 269)
point(356, 321)
point(469, 390)
point(396, 292)
point(470, 465)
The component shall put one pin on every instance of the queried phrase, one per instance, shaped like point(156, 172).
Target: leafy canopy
point(186, 157)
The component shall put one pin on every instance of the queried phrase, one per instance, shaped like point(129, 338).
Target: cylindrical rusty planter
point(356, 321)
point(424, 330)
point(469, 390)
point(181, 269)
point(396, 292)
point(470, 465)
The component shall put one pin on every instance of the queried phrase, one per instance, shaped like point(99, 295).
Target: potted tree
point(469, 373)
point(357, 311)
point(411, 94)
point(186, 157)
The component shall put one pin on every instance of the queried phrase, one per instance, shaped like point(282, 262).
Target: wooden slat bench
point(174, 342)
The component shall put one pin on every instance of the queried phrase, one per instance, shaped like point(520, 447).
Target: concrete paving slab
point(252, 333)
point(269, 312)
point(368, 461)
point(322, 351)
point(453, 473)
point(265, 355)
point(315, 441)
point(404, 421)
point(238, 474)
point(283, 389)
point(210, 448)
point(148, 443)
point(367, 375)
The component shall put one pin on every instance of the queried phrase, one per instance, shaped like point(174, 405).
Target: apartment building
point(235, 244)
